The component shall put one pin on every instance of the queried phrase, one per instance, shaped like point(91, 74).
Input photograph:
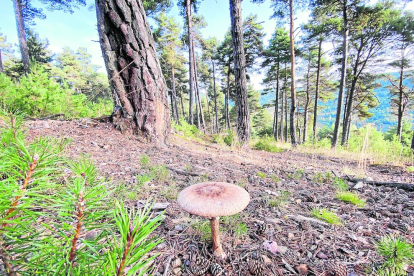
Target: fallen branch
point(183, 172)
point(404, 186)
point(302, 218)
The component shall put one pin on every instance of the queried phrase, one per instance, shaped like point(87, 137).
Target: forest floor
point(276, 232)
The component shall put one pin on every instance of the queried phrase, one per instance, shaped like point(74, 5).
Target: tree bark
point(286, 115)
point(198, 92)
point(190, 60)
point(131, 61)
point(315, 110)
point(305, 115)
point(18, 13)
point(412, 142)
point(292, 89)
point(342, 83)
point(243, 113)
point(215, 100)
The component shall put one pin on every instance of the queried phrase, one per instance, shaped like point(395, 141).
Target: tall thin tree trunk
point(305, 115)
point(275, 132)
point(315, 110)
point(286, 113)
point(215, 100)
point(190, 60)
point(132, 65)
point(400, 100)
point(1, 63)
point(18, 13)
point(182, 104)
point(198, 93)
point(412, 142)
point(292, 89)
point(342, 83)
point(282, 113)
point(174, 97)
point(228, 99)
point(239, 70)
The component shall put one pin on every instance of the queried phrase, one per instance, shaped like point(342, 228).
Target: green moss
point(350, 197)
point(326, 215)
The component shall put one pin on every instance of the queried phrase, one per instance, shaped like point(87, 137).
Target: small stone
point(290, 236)
point(176, 263)
point(266, 259)
point(177, 271)
point(359, 185)
point(161, 246)
point(282, 249)
point(298, 201)
point(321, 255)
point(302, 269)
point(178, 228)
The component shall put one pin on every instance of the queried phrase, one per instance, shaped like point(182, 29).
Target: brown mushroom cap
point(213, 199)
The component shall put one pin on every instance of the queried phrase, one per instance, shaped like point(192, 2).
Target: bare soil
point(280, 233)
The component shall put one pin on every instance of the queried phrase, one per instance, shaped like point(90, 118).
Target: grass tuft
point(340, 184)
point(397, 254)
point(261, 174)
point(326, 215)
point(350, 197)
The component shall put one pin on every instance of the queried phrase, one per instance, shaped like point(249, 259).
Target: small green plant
point(203, 228)
point(299, 173)
point(234, 225)
point(144, 160)
point(204, 177)
point(160, 173)
point(275, 178)
point(397, 254)
point(328, 177)
point(326, 215)
point(218, 139)
point(242, 182)
point(410, 169)
point(350, 197)
point(280, 200)
point(261, 174)
point(340, 184)
point(143, 179)
point(231, 138)
point(267, 144)
point(188, 131)
point(318, 177)
point(170, 192)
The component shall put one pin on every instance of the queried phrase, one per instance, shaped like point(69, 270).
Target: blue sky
point(79, 29)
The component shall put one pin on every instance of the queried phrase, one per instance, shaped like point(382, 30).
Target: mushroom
point(212, 200)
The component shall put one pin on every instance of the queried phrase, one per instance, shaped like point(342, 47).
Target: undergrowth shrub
point(57, 217)
point(326, 215)
point(38, 95)
point(267, 143)
point(189, 131)
point(350, 197)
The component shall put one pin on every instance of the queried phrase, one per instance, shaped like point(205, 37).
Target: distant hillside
point(383, 119)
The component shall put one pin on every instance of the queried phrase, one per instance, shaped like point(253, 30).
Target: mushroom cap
point(213, 199)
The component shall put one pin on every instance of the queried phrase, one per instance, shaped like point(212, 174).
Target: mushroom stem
point(215, 233)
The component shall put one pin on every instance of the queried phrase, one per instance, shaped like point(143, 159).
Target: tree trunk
point(243, 114)
point(282, 113)
point(350, 96)
point(286, 113)
point(275, 132)
point(1, 64)
point(128, 45)
point(227, 116)
point(412, 142)
point(18, 13)
point(190, 60)
point(400, 100)
point(315, 111)
point(342, 83)
point(182, 104)
point(198, 93)
point(215, 100)
point(292, 89)
point(174, 97)
point(305, 115)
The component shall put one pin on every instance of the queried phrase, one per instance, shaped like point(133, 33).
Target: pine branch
point(26, 181)
point(130, 239)
point(7, 265)
point(81, 208)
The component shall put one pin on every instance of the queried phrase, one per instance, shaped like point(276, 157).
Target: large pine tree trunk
point(282, 114)
point(292, 89)
point(315, 110)
point(215, 101)
point(190, 60)
point(342, 83)
point(243, 113)
point(286, 112)
point(131, 61)
point(18, 13)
